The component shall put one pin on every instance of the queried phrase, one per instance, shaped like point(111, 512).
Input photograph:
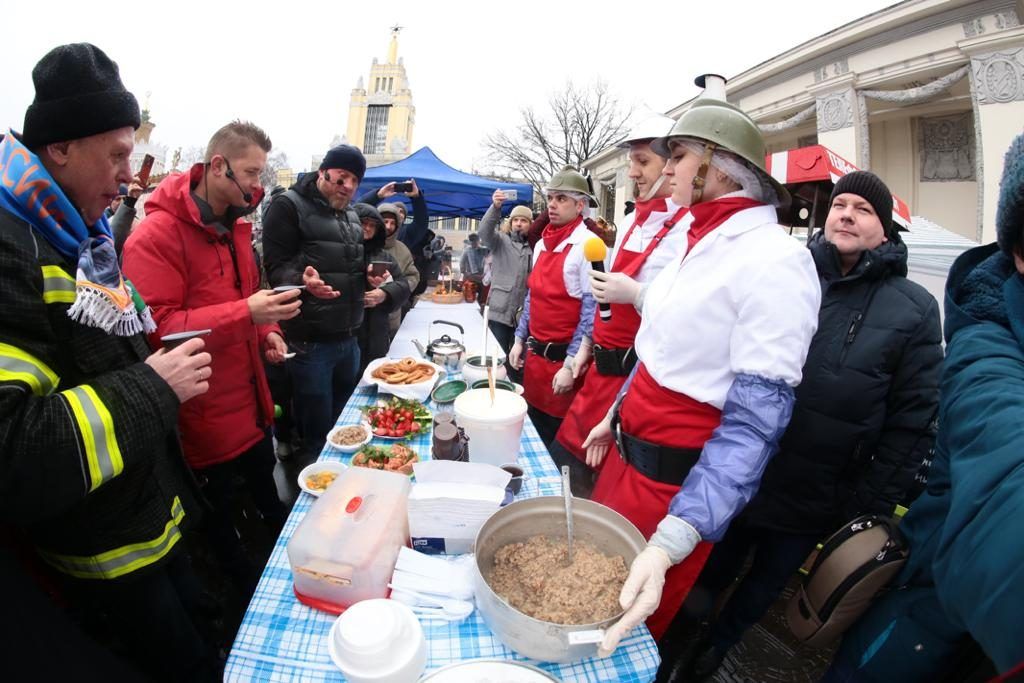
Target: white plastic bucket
point(493, 430)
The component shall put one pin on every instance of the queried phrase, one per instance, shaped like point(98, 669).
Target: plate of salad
point(397, 418)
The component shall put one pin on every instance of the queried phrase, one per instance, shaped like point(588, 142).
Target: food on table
point(405, 371)
point(535, 579)
point(349, 436)
point(397, 458)
point(319, 481)
point(397, 418)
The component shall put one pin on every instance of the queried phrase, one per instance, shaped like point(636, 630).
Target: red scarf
point(709, 215)
point(554, 235)
point(644, 208)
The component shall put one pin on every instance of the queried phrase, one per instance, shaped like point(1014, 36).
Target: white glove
point(640, 595)
point(598, 442)
point(614, 288)
point(515, 355)
point(582, 358)
point(563, 380)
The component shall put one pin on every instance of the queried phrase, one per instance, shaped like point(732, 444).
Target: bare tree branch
point(276, 160)
point(579, 123)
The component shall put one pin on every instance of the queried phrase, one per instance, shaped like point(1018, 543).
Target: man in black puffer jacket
point(862, 425)
point(312, 237)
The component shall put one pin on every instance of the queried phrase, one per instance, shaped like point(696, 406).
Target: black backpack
point(850, 570)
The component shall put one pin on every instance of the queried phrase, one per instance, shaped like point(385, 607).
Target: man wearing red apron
point(559, 309)
point(722, 340)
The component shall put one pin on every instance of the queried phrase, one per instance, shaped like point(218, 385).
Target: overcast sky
point(290, 66)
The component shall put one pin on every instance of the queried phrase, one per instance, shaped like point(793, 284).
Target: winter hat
point(78, 93)
point(521, 211)
point(1010, 209)
point(869, 186)
point(367, 211)
point(388, 207)
point(345, 157)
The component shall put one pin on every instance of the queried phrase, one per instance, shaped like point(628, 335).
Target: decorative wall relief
point(1006, 20)
point(947, 148)
point(973, 27)
point(829, 70)
point(834, 112)
point(999, 77)
point(793, 121)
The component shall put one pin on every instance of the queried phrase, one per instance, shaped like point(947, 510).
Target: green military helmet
point(570, 180)
point(712, 119)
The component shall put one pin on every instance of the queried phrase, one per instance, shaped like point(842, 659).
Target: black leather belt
point(614, 362)
point(660, 463)
point(549, 350)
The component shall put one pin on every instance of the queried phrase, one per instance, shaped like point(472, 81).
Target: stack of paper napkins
point(450, 501)
point(448, 577)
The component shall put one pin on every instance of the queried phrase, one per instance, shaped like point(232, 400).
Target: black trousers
point(547, 425)
point(254, 467)
point(777, 556)
point(581, 477)
point(505, 335)
point(153, 614)
point(280, 383)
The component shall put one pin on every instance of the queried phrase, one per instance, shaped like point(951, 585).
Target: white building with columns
point(928, 94)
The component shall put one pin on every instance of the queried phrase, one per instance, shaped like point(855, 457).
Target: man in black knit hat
point(862, 425)
point(91, 473)
point(312, 237)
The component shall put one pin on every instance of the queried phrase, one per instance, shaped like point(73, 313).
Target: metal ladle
point(567, 496)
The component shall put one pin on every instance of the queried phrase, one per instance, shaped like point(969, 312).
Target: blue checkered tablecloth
point(281, 639)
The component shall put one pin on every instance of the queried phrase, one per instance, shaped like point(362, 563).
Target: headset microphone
point(247, 196)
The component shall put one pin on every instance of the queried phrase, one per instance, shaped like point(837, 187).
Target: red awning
point(817, 163)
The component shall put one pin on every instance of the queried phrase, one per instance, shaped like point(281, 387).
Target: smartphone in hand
point(378, 268)
point(146, 169)
point(403, 187)
point(511, 195)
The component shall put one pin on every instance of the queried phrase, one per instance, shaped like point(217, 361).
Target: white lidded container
point(494, 428)
point(346, 546)
point(378, 641)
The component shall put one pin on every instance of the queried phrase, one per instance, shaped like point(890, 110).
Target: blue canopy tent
point(448, 192)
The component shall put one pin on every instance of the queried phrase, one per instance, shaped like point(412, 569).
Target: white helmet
point(648, 126)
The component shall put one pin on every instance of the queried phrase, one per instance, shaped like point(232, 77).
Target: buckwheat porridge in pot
point(535, 579)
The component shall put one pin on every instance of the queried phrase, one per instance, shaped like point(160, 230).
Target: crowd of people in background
point(733, 393)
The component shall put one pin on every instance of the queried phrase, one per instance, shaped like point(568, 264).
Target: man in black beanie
point(312, 237)
point(862, 423)
point(91, 472)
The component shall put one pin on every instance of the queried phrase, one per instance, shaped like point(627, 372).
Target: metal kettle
point(444, 351)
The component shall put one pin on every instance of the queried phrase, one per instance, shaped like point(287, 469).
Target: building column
point(997, 93)
point(839, 117)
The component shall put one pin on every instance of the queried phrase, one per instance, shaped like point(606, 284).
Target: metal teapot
point(444, 351)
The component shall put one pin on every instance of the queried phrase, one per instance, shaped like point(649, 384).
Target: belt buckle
point(617, 427)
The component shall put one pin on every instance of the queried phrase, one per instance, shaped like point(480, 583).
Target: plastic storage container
point(493, 429)
point(346, 546)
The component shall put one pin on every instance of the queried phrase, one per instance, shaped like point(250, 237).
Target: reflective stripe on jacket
point(126, 559)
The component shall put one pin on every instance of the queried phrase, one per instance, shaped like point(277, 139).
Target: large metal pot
point(609, 531)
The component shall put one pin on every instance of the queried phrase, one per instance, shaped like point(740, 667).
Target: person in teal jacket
point(965, 575)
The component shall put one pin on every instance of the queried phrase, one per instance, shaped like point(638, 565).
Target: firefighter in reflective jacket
point(90, 470)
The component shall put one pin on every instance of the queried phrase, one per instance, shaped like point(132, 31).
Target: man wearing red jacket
point(191, 259)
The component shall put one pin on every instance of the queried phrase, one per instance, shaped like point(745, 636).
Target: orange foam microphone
point(594, 250)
